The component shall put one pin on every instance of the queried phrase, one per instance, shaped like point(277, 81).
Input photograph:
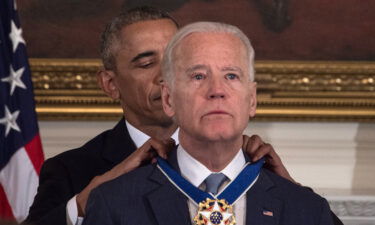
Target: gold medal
point(214, 212)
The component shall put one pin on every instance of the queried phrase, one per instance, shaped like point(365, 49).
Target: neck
point(215, 155)
point(157, 132)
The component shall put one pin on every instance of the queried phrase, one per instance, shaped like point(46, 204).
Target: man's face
point(212, 96)
point(137, 76)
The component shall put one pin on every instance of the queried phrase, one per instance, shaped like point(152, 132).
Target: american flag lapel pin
point(267, 213)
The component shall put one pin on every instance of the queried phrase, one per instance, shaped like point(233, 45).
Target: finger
point(254, 142)
point(134, 160)
point(162, 147)
point(146, 151)
point(170, 145)
point(170, 142)
point(245, 141)
point(276, 166)
point(147, 154)
point(263, 151)
point(273, 160)
point(272, 156)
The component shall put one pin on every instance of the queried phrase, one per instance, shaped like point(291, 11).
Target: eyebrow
point(142, 55)
point(232, 68)
point(201, 66)
point(196, 67)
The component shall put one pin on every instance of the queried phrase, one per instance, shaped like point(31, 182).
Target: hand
point(256, 149)
point(145, 154)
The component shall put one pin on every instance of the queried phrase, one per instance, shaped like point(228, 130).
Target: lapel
point(168, 204)
point(259, 203)
point(118, 144)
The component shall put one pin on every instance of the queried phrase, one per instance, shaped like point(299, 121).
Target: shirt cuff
point(72, 212)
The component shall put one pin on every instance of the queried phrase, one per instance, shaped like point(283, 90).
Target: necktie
point(214, 181)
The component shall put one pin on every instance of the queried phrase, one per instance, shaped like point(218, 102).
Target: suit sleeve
point(97, 210)
point(54, 191)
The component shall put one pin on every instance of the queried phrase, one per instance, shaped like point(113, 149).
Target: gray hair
point(110, 38)
point(203, 27)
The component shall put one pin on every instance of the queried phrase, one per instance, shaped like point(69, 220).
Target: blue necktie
point(214, 181)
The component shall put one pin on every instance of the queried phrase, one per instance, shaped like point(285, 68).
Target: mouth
point(217, 113)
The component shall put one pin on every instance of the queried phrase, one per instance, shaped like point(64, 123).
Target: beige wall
point(331, 157)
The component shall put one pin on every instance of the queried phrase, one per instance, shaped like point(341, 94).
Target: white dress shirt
point(195, 172)
point(139, 138)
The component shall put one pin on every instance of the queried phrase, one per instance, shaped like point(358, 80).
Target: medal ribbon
point(231, 193)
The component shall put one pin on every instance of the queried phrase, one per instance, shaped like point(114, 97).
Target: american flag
point(21, 154)
point(267, 213)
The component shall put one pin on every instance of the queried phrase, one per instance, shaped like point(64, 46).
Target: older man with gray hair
point(209, 91)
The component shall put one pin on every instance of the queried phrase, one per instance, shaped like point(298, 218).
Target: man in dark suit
point(132, 49)
point(209, 91)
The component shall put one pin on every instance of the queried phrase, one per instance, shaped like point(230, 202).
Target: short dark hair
point(112, 31)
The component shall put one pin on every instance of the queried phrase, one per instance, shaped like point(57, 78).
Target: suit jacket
point(146, 197)
point(66, 174)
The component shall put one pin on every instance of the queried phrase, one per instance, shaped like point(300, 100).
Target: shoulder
point(81, 164)
point(135, 181)
point(291, 203)
point(75, 167)
point(298, 201)
point(94, 148)
point(290, 191)
point(90, 149)
point(130, 187)
point(123, 197)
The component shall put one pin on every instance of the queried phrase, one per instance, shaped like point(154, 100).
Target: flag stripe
point(20, 181)
point(35, 152)
point(5, 209)
point(21, 154)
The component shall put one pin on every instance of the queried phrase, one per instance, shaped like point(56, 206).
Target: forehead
point(212, 46)
point(146, 35)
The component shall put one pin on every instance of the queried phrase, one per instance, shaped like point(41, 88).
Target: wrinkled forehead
point(203, 46)
point(205, 40)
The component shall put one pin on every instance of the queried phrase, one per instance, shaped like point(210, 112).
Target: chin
point(165, 121)
point(213, 134)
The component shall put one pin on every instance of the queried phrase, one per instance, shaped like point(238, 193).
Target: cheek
point(185, 106)
point(241, 104)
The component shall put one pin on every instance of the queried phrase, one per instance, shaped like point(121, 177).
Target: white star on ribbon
point(14, 79)
point(9, 121)
point(216, 208)
point(16, 36)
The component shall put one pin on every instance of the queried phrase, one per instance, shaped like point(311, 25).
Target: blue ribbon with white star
point(232, 192)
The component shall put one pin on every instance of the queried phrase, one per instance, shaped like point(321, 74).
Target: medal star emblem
point(215, 212)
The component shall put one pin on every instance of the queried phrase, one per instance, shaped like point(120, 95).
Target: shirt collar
point(195, 172)
point(139, 138)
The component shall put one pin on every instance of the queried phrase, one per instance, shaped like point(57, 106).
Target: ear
point(167, 100)
point(253, 98)
point(106, 80)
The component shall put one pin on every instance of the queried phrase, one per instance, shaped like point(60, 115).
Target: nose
point(158, 79)
point(216, 89)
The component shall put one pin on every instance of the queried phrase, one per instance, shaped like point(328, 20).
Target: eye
point(231, 76)
point(198, 76)
point(145, 65)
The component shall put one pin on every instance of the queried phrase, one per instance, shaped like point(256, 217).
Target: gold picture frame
point(66, 89)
